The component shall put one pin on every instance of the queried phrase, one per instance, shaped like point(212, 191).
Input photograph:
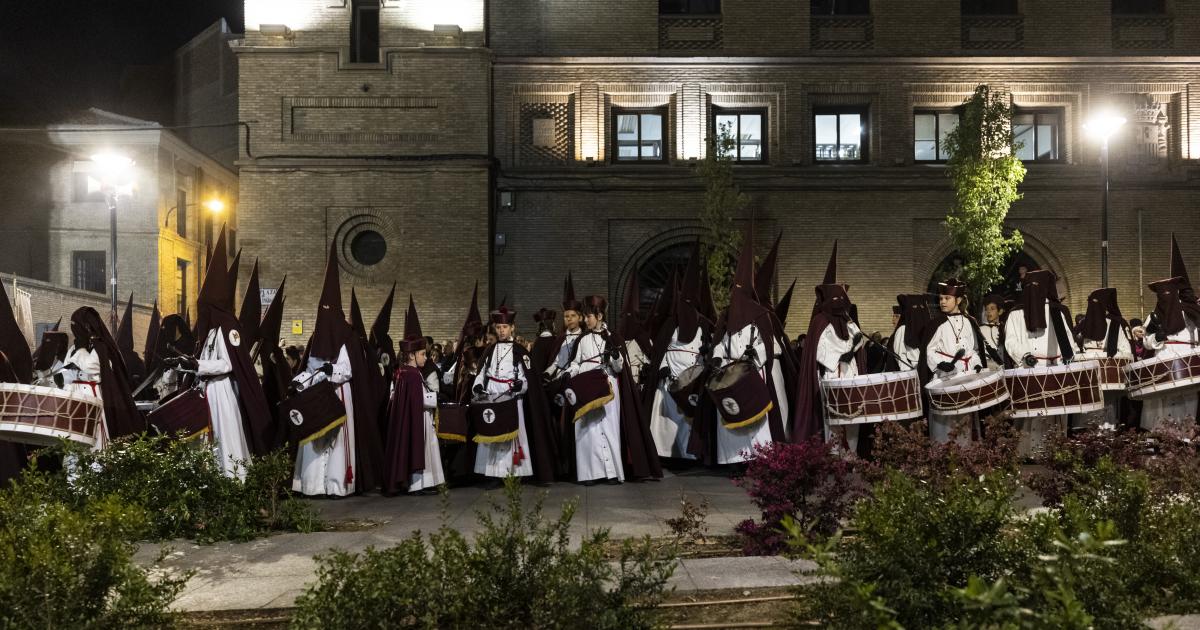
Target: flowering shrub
point(908, 449)
point(804, 481)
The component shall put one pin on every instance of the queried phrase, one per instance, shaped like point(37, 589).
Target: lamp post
point(115, 171)
point(1102, 127)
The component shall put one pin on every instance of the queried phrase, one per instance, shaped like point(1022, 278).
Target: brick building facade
point(516, 139)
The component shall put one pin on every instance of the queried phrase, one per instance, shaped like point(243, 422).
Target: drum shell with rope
point(1112, 373)
point(741, 395)
point(967, 393)
point(451, 422)
point(313, 412)
point(869, 398)
point(586, 392)
point(1174, 374)
point(41, 416)
point(686, 389)
point(495, 420)
point(184, 414)
point(1054, 390)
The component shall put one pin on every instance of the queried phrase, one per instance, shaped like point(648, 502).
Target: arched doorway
point(654, 274)
point(1017, 262)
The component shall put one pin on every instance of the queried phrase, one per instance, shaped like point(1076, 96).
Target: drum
point(451, 422)
point(1056, 390)
point(184, 413)
point(967, 393)
point(1112, 373)
point(1162, 374)
point(495, 420)
point(43, 415)
point(686, 389)
point(872, 398)
point(585, 392)
point(312, 413)
point(740, 393)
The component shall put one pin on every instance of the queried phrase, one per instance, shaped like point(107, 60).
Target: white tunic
point(323, 465)
point(563, 360)
point(737, 445)
point(432, 476)
point(1096, 350)
point(1176, 406)
point(1041, 343)
point(668, 424)
point(598, 433)
point(951, 335)
point(496, 459)
point(86, 380)
point(637, 359)
point(910, 354)
point(229, 436)
point(831, 348)
point(991, 338)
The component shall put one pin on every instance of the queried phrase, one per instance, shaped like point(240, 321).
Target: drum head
point(728, 375)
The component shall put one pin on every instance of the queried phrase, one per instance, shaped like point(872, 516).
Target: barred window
point(87, 271)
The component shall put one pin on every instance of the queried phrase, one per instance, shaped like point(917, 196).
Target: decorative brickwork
point(993, 32)
point(843, 33)
point(1142, 32)
point(689, 33)
point(558, 148)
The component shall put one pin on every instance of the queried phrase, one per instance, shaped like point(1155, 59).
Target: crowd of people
point(590, 395)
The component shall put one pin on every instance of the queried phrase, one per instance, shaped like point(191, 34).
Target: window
point(1038, 133)
point(181, 300)
point(989, 7)
point(181, 215)
point(840, 133)
point(638, 135)
point(841, 7)
point(930, 129)
point(364, 31)
point(747, 128)
point(368, 248)
point(87, 271)
point(1135, 7)
point(84, 187)
point(689, 7)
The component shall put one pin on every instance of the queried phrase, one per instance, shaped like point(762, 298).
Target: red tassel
point(349, 476)
point(518, 454)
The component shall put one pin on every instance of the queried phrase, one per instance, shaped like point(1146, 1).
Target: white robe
point(432, 475)
point(598, 432)
point(86, 380)
point(737, 445)
point(910, 354)
point(991, 338)
point(322, 464)
point(229, 436)
point(563, 360)
point(830, 349)
point(637, 359)
point(952, 335)
point(1172, 405)
point(1043, 345)
point(1112, 399)
point(496, 459)
point(668, 424)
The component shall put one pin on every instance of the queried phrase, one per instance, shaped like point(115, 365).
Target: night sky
point(59, 56)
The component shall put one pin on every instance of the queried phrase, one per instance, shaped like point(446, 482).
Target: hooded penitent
point(276, 373)
point(381, 338)
point(785, 304)
point(1102, 307)
point(16, 366)
point(121, 415)
point(1168, 315)
point(215, 311)
point(134, 366)
point(1037, 290)
point(329, 335)
point(251, 315)
point(632, 326)
point(546, 344)
point(1187, 293)
point(151, 350)
point(766, 274)
point(405, 449)
point(914, 316)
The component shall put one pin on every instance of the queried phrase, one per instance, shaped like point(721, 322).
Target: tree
point(723, 200)
point(986, 174)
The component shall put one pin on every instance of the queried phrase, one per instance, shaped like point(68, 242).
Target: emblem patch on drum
point(296, 417)
point(730, 406)
point(694, 400)
point(235, 338)
point(570, 395)
point(385, 359)
point(489, 416)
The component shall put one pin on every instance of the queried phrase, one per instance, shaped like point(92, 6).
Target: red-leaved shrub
point(908, 449)
point(804, 480)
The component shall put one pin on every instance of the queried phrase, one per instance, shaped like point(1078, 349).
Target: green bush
point(181, 488)
point(66, 568)
point(520, 572)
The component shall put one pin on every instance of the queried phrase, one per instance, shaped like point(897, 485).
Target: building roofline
point(824, 60)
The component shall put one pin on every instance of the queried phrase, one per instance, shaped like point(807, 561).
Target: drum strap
point(1191, 344)
point(966, 360)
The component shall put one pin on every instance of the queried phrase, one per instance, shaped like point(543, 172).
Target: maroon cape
point(404, 453)
point(257, 420)
point(808, 416)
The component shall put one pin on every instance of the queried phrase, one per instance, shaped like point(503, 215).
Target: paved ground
point(271, 572)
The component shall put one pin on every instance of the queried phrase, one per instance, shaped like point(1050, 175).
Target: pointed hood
point(357, 323)
point(414, 339)
point(785, 304)
point(473, 324)
point(831, 267)
point(230, 297)
point(134, 364)
point(1179, 270)
point(213, 290)
point(766, 273)
point(151, 350)
point(569, 302)
point(744, 307)
point(1170, 309)
point(1037, 287)
point(14, 349)
point(687, 305)
point(631, 319)
point(250, 318)
point(331, 330)
point(1103, 321)
point(915, 317)
point(272, 321)
point(381, 329)
point(706, 305)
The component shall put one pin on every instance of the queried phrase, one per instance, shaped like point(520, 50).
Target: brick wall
point(50, 302)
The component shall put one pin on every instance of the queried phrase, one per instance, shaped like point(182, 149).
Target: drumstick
point(890, 352)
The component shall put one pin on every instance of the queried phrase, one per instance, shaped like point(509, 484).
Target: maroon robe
point(404, 453)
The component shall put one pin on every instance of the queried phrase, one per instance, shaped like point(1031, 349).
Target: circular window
point(368, 247)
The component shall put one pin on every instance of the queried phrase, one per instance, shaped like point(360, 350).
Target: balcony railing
point(843, 32)
point(692, 32)
point(993, 32)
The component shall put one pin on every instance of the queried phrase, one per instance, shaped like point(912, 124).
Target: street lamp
point(1102, 127)
point(115, 171)
point(215, 206)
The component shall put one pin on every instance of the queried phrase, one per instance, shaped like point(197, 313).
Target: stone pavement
point(272, 572)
